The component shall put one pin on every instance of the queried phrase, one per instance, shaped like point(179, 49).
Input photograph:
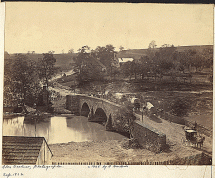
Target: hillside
point(137, 53)
point(62, 60)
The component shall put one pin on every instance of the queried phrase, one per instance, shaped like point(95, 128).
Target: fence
point(198, 159)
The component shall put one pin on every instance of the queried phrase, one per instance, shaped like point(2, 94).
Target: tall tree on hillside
point(21, 74)
point(167, 57)
point(145, 66)
point(51, 52)
point(80, 61)
point(151, 49)
point(152, 44)
point(71, 51)
point(163, 61)
point(106, 56)
point(46, 67)
point(121, 48)
point(9, 88)
point(21, 82)
point(198, 62)
point(182, 58)
point(87, 67)
point(207, 55)
point(127, 69)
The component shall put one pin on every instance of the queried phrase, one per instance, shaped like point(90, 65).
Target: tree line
point(24, 78)
point(156, 63)
point(166, 60)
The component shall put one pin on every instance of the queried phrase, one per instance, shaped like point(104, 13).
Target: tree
point(106, 56)
point(190, 58)
point(126, 69)
point(145, 66)
point(80, 61)
point(86, 65)
point(207, 55)
point(163, 61)
point(46, 67)
point(198, 62)
point(121, 48)
point(71, 51)
point(152, 44)
point(21, 74)
point(21, 82)
point(51, 52)
point(135, 68)
point(115, 71)
point(180, 107)
point(151, 49)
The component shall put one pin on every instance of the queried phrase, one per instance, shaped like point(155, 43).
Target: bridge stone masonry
point(114, 118)
point(96, 109)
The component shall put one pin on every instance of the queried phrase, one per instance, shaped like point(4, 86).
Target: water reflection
point(58, 129)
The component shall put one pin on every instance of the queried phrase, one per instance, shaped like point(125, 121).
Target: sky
point(58, 26)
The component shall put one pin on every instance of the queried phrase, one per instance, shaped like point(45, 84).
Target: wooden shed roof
point(21, 150)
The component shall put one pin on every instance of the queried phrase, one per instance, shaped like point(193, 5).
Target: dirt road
point(174, 132)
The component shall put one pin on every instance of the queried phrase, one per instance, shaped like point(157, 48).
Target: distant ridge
point(137, 53)
point(64, 60)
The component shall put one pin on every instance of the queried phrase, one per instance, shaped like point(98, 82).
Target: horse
point(199, 141)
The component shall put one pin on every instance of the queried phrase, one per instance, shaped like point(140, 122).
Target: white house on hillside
point(123, 60)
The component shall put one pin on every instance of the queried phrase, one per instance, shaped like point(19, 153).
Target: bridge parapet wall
point(148, 137)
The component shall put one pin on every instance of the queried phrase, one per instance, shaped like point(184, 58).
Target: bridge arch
point(100, 115)
point(85, 110)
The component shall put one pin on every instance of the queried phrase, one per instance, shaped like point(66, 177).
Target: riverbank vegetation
point(24, 78)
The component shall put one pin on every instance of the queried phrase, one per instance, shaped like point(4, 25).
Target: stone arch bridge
point(112, 114)
point(96, 109)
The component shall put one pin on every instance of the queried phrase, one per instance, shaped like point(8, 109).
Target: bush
point(180, 107)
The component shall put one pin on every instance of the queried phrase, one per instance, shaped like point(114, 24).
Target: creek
point(58, 129)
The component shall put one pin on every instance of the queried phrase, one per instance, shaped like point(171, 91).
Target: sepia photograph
point(108, 84)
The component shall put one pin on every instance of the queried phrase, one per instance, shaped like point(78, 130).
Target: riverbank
point(114, 151)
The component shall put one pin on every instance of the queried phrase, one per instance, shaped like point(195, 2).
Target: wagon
point(190, 134)
point(190, 139)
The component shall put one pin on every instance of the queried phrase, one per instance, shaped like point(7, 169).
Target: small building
point(97, 64)
point(123, 60)
point(20, 150)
